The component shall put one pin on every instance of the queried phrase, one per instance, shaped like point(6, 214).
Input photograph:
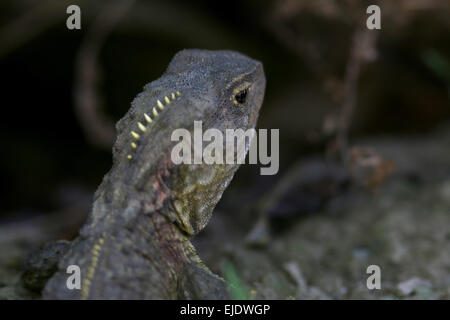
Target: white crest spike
point(160, 105)
point(142, 127)
point(133, 145)
point(129, 157)
point(147, 118)
point(135, 135)
point(173, 96)
point(166, 100)
point(155, 113)
point(178, 93)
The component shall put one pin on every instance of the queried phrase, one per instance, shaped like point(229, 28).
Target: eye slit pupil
point(241, 96)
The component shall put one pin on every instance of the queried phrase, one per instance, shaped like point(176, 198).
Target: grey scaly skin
point(136, 241)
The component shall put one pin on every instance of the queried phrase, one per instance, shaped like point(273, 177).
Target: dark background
point(49, 160)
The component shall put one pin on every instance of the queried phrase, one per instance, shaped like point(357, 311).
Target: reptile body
point(136, 241)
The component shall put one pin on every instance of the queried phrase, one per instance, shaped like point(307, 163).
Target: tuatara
point(136, 241)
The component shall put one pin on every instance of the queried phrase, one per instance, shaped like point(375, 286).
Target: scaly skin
point(136, 242)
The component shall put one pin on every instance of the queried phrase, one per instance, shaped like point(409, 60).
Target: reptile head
point(226, 93)
point(223, 90)
point(226, 87)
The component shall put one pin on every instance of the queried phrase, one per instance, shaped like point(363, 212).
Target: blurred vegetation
point(237, 289)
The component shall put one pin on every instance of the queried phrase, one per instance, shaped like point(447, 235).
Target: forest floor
point(404, 228)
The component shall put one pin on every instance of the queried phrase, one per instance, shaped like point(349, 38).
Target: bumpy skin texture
point(135, 244)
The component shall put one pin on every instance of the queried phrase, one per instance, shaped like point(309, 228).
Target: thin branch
point(362, 51)
point(98, 128)
point(31, 24)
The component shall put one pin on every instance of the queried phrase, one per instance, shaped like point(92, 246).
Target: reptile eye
point(241, 96)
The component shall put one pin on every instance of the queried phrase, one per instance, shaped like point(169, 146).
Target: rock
point(41, 265)
point(259, 236)
point(413, 285)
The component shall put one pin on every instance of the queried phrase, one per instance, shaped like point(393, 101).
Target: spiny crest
point(91, 270)
point(148, 120)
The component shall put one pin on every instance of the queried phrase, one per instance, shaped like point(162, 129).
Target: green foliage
point(437, 63)
point(238, 290)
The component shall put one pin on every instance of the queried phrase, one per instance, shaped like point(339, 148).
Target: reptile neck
point(125, 194)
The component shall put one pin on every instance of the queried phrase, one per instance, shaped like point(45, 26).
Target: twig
point(97, 127)
point(31, 24)
point(362, 51)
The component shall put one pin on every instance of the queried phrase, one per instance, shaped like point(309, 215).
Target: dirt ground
point(403, 228)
